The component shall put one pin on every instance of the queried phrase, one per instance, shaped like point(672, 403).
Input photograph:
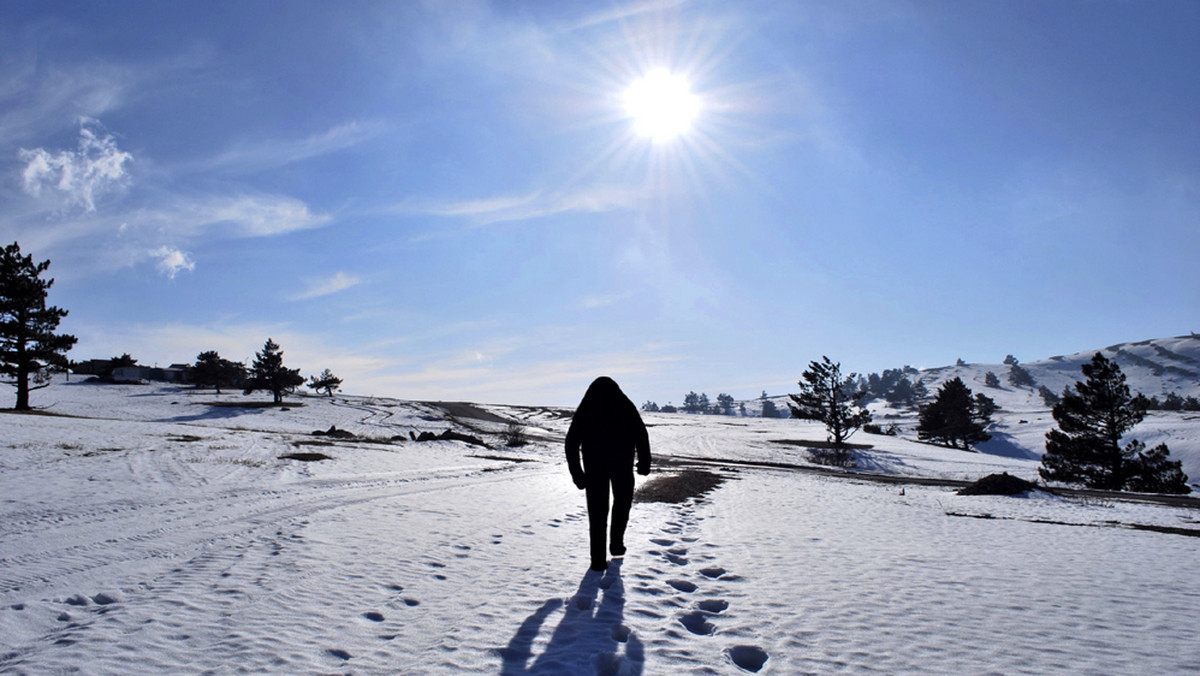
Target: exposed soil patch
point(1170, 530)
point(690, 483)
point(998, 484)
point(828, 445)
point(451, 435)
point(462, 409)
point(250, 404)
point(502, 458)
point(305, 457)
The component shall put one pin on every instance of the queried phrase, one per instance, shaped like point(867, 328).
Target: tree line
point(31, 351)
point(1092, 417)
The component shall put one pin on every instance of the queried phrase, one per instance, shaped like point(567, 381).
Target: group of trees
point(31, 350)
point(1086, 448)
point(699, 403)
point(1173, 402)
point(895, 387)
point(266, 373)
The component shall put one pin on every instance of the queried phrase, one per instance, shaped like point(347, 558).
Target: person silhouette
point(609, 430)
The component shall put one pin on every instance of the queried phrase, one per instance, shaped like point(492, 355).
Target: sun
point(662, 105)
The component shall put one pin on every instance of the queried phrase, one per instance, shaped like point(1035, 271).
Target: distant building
point(175, 373)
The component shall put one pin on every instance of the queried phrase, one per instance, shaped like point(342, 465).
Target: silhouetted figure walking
point(610, 432)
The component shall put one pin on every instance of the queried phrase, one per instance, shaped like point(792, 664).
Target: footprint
point(374, 616)
point(697, 623)
point(396, 587)
point(620, 633)
point(714, 572)
point(714, 606)
point(343, 655)
point(676, 559)
point(662, 542)
point(748, 657)
point(683, 585)
point(411, 602)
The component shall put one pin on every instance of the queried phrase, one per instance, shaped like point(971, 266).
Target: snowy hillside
point(1151, 367)
point(148, 529)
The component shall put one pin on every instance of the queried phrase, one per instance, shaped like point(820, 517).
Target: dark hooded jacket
point(608, 431)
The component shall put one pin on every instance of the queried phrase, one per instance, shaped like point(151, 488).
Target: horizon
point(486, 202)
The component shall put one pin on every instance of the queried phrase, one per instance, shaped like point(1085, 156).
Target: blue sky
point(448, 200)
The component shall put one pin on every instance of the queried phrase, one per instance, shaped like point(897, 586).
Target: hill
point(1154, 367)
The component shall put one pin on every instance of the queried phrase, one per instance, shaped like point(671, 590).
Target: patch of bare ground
point(679, 487)
point(250, 404)
point(826, 445)
point(1170, 530)
point(305, 457)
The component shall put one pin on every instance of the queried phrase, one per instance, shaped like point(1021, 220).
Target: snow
point(143, 530)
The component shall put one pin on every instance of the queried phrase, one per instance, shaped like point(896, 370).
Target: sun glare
point(662, 105)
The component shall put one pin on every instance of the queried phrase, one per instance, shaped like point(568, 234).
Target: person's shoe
point(600, 565)
point(617, 549)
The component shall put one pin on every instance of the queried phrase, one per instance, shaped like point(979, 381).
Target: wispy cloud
point(34, 96)
point(172, 261)
point(277, 153)
point(537, 204)
point(258, 215)
point(77, 176)
point(597, 301)
point(551, 381)
point(324, 287)
point(624, 12)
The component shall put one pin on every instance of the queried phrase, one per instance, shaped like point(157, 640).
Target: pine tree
point(956, 415)
point(725, 403)
point(326, 381)
point(991, 379)
point(211, 370)
point(1154, 473)
point(269, 373)
point(1019, 377)
point(1086, 447)
point(28, 345)
point(829, 398)
point(769, 410)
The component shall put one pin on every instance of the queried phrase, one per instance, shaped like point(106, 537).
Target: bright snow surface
point(144, 531)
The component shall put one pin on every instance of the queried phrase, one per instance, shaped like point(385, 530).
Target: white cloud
point(539, 205)
point(81, 175)
point(324, 287)
point(268, 154)
point(258, 215)
point(597, 301)
point(171, 261)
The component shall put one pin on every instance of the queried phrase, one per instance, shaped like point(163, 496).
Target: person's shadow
point(590, 638)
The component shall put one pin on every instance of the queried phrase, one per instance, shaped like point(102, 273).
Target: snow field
point(170, 538)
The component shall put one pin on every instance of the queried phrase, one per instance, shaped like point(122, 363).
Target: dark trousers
point(598, 486)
